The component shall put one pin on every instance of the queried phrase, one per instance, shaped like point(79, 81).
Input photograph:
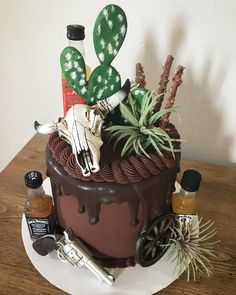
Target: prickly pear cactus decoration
point(109, 33)
point(108, 36)
point(74, 70)
point(104, 81)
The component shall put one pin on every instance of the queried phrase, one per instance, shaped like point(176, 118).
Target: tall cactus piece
point(108, 36)
point(109, 33)
point(74, 70)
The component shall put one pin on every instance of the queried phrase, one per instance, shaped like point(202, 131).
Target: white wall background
point(200, 35)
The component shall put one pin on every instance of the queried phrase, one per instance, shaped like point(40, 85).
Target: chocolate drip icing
point(91, 195)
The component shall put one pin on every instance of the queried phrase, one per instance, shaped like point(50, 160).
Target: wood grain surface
point(217, 201)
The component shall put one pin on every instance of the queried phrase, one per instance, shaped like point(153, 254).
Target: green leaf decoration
point(155, 117)
point(109, 33)
point(129, 116)
point(141, 134)
point(74, 70)
point(103, 82)
point(129, 143)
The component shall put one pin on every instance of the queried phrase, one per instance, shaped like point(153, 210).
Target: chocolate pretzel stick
point(164, 79)
point(177, 81)
point(140, 76)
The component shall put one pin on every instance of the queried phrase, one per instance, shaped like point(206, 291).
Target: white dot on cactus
point(68, 55)
point(112, 8)
point(67, 66)
point(110, 48)
point(105, 81)
point(120, 17)
point(101, 56)
point(110, 24)
point(116, 37)
point(112, 87)
point(81, 82)
point(79, 69)
point(102, 43)
point(115, 52)
point(136, 92)
point(117, 78)
point(105, 13)
point(109, 72)
point(75, 64)
point(73, 75)
point(100, 93)
point(83, 76)
point(123, 30)
point(83, 90)
point(117, 43)
point(99, 79)
point(99, 29)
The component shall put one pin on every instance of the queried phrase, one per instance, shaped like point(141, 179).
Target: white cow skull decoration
point(81, 128)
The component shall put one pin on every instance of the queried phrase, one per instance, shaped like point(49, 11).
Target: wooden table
point(217, 200)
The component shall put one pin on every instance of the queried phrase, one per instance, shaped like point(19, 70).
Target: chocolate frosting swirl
point(114, 169)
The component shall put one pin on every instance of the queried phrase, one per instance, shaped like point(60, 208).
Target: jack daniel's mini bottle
point(185, 201)
point(39, 211)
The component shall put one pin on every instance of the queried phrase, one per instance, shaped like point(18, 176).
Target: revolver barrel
point(74, 251)
point(99, 272)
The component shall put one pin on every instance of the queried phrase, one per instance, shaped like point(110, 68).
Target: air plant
point(140, 132)
point(191, 247)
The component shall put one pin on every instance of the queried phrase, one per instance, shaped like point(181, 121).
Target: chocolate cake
point(112, 161)
point(109, 209)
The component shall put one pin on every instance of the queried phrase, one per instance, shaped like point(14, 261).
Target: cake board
point(79, 281)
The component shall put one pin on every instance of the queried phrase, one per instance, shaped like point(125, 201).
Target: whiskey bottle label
point(38, 227)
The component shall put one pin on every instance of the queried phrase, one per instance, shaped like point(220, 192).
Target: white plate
point(73, 280)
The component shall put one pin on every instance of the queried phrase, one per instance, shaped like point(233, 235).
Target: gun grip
point(43, 246)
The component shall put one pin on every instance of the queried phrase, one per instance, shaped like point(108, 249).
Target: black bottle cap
point(75, 32)
point(191, 180)
point(33, 179)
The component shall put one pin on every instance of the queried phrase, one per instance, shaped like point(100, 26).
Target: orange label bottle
point(38, 209)
point(185, 202)
point(75, 35)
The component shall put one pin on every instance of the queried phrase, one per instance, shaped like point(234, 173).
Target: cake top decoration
point(139, 124)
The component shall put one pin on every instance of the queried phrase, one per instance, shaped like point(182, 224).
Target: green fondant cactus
point(104, 81)
point(74, 70)
point(109, 33)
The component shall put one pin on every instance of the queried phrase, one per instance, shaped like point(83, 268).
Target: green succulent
point(140, 133)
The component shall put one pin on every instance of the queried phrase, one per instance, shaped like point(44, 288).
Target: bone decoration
point(81, 128)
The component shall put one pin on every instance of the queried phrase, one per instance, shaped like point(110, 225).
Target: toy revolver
point(73, 251)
